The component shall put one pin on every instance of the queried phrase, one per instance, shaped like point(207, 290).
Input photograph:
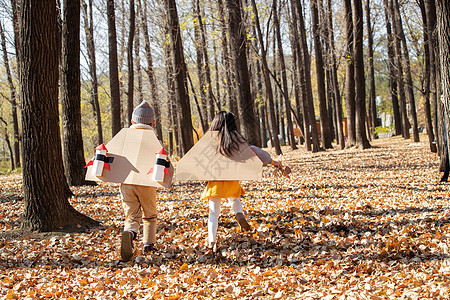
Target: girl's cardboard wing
point(204, 162)
point(133, 155)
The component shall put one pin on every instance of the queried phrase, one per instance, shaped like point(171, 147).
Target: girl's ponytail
point(229, 138)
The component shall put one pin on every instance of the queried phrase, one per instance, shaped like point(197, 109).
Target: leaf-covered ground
point(348, 224)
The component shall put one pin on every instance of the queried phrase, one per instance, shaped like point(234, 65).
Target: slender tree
point(399, 71)
point(306, 60)
point(187, 140)
point(44, 185)
point(443, 29)
point(113, 68)
point(15, 159)
point(408, 77)
point(349, 74)
point(287, 102)
point(371, 79)
point(239, 67)
point(89, 31)
point(426, 79)
point(200, 63)
point(334, 79)
point(360, 101)
point(320, 72)
point(130, 63)
point(267, 82)
point(73, 152)
point(392, 72)
point(299, 68)
point(155, 103)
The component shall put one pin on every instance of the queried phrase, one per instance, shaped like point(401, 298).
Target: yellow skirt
point(223, 189)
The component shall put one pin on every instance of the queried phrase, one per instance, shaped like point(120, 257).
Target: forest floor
point(348, 224)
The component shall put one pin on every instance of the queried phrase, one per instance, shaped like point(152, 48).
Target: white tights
point(214, 212)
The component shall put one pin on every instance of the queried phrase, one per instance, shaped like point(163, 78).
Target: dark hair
point(229, 137)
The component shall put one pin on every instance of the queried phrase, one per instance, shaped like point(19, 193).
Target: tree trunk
point(73, 151)
point(130, 63)
point(230, 99)
point(372, 92)
point(13, 101)
point(300, 68)
point(267, 83)
point(89, 31)
point(360, 102)
point(113, 69)
point(334, 79)
point(320, 72)
point(179, 64)
point(287, 102)
point(246, 106)
point(172, 102)
point(399, 71)
point(203, 112)
point(430, 9)
point(44, 186)
point(219, 99)
point(407, 64)
point(426, 78)
point(350, 75)
point(307, 76)
point(137, 58)
point(392, 72)
point(443, 30)
point(150, 71)
point(7, 141)
point(206, 68)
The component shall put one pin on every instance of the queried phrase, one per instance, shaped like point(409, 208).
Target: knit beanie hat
point(143, 113)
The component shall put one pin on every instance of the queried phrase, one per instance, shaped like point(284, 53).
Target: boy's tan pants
point(139, 203)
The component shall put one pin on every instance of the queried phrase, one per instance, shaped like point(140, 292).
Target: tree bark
point(187, 140)
point(206, 68)
point(137, 57)
point(334, 79)
point(130, 63)
point(203, 112)
point(300, 69)
point(89, 31)
point(392, 72)
point(407, 64)
point(287, 102)
point(267, 83)
point(427, 78)
point(230, 98)
point(8, 143)
point(73, 151)
point(44, 185)
point(151, 71)
point(399, 71)
point(350, 75)
point(113, 69)
point(443, 29)
point(320, 72)
point(307, 76)
point(246, 106)
point(371, 79)
point(360, 102)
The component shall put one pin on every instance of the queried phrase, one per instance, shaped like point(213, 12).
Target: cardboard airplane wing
point(204, 162)
point(132, 155)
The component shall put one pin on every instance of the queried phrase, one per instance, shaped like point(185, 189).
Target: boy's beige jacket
point(134, 152)
point(204, 162)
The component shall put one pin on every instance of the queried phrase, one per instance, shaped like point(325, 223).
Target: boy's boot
point(242, 222)
point(148, 248)
point(126, 245)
